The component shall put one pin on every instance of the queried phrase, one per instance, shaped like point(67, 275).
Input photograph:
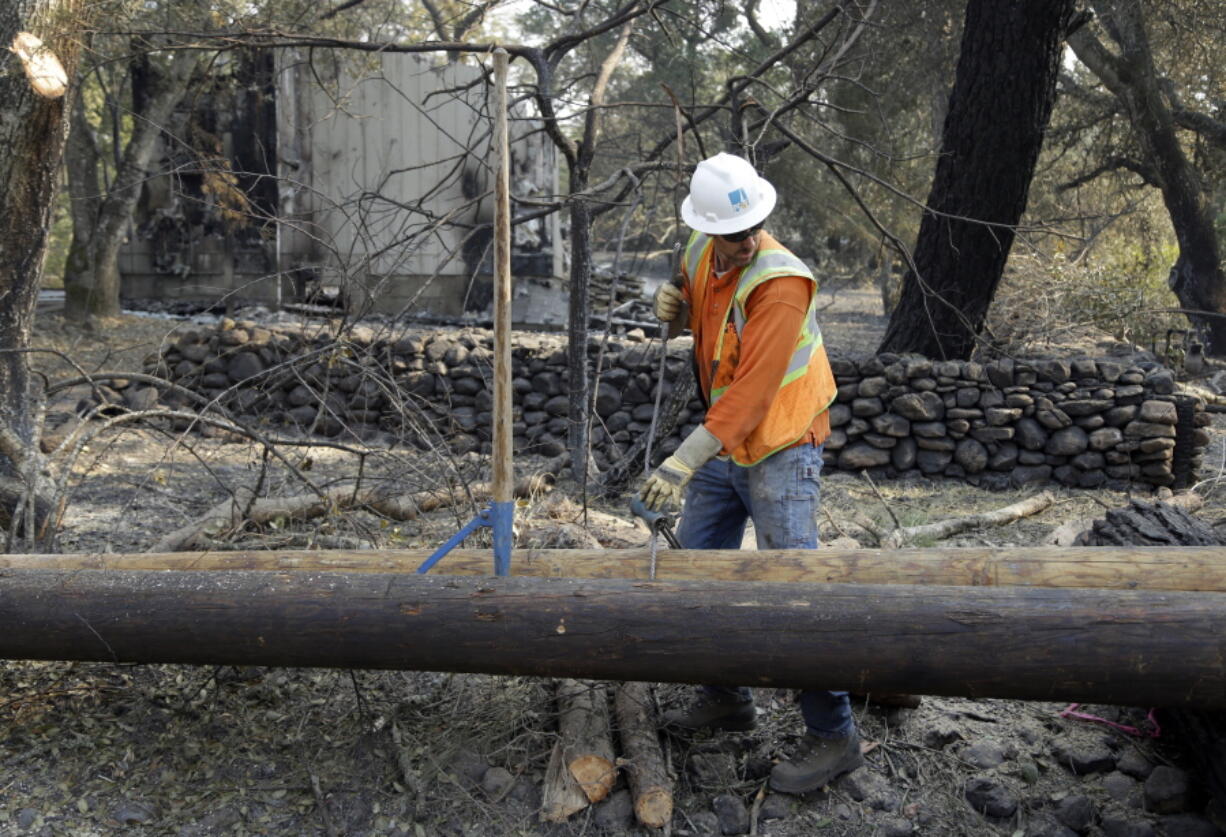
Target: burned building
point(360, 180)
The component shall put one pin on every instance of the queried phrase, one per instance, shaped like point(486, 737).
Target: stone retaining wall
point(1080, 422)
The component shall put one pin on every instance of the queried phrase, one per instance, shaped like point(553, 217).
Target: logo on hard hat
point(739, 199)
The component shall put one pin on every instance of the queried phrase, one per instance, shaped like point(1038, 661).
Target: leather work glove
point(668, 302)
point(667, 483)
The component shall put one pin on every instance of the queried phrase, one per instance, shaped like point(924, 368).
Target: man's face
point(737, 253)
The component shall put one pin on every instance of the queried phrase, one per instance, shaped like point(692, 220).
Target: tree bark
point(32, 137)
point(1118, 646)
point(96, 292)
point(85, 200)
point(1196, 278)
point(1002, 98)
point(1193, 569)
point(577, 328)
point(561, 795)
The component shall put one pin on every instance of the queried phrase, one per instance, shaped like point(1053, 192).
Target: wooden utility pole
point(1098, 646)
point(1199, 569)
point(503, 433)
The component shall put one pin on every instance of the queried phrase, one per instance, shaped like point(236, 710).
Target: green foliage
point(1125, 293)
point(1051, 301)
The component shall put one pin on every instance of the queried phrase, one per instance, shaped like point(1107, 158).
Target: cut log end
point(596, 775)
point(654, 807)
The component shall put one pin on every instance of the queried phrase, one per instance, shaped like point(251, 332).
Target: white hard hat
point(726, 196)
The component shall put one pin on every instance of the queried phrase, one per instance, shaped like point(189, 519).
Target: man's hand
point(666, 485)
point(667, 302)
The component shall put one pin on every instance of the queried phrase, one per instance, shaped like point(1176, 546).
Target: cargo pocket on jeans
point(805, 483)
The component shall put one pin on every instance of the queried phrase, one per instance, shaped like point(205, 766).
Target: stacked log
point(646, 770)
point(587, 747)
point(1084, 422)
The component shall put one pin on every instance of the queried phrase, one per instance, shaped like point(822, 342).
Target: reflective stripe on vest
point(766, 265)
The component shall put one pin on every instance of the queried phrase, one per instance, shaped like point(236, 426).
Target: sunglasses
point(738, 237)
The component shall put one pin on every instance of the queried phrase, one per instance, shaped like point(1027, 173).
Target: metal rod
point(482, 519)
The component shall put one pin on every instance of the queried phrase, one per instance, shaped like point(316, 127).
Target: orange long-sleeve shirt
point(774, 312)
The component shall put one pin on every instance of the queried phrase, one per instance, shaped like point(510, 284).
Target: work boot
point(714, 712)
point(819, 762)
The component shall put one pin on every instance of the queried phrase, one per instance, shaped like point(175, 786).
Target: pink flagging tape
point(1152, 728)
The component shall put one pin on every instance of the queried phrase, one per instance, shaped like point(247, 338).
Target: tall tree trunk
point(580, 157)
point(100, 296)
point(1002, 98)
point(1196, 278)
point(580, 308)
point(81, 163)
point(32, 137)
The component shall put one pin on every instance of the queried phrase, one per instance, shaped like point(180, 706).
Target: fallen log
point(243, 507)
point(1103, 646)
point(1137, 568)
point(587, 744)
point(948, 528)
point(638, 729)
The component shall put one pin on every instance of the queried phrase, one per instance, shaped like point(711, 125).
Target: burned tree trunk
point(1002, 98)
point(1149, 524)
point(81, 167)
point(95, 291)
point(576, 346)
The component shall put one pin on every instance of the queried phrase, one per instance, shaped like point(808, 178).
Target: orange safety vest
point(808, 387)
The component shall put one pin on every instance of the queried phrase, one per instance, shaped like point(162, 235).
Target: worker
point(763, 372)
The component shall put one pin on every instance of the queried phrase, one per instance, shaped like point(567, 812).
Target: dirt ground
point(95, 749)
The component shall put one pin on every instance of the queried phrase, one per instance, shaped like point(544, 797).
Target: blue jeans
point(782, 495)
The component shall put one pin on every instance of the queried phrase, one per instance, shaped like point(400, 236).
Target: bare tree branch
point(751, 17)
point(349, 4)
point(1115, 163)
point(1211, 129)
